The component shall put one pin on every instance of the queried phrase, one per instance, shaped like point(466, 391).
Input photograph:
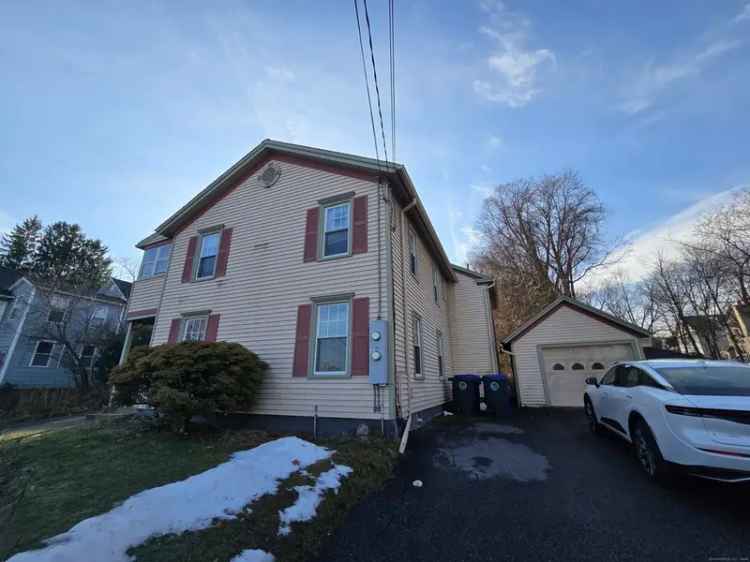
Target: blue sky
point(113, 114)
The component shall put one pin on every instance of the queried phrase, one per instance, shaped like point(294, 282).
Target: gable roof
point(334, 161)
point(123, 286)
point(580, 307)
point(8, 277)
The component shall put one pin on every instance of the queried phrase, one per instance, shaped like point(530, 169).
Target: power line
point(367, 80)
point(391, 34)
point(375, 76)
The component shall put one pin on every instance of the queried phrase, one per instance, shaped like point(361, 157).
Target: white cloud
point(464, 238)
point(744, 14)
point(484, 190)
point(514, 68)
point(635, 259)
point(654, 79)
point(495, 141)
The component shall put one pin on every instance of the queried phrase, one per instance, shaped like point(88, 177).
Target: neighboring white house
point(556, 350)
point(297, 253)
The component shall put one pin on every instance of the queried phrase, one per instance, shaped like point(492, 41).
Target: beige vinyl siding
point(267, 280)
point(419, 393)
point(564, 326)
point(472, 334)
point(146, 293)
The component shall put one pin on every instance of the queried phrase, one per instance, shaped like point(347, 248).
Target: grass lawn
point(63, 477)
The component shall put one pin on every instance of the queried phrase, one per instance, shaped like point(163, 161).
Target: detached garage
point(555, 351)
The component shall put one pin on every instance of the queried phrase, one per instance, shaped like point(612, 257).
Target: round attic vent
point(270, 175)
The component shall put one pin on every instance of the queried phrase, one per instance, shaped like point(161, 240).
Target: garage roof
point(580, 307)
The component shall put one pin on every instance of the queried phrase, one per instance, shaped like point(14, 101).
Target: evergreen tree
point(65, 257)
point(17, 248)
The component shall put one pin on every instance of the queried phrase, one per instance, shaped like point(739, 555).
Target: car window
point(609, 378)
point(644, 379)
point(728, 379)
point(626, 376)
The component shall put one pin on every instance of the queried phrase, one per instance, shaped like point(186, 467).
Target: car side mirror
point(592, 381)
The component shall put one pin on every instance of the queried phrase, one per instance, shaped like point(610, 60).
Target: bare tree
point(632, 301)
point(539, 239)
point(126, 268)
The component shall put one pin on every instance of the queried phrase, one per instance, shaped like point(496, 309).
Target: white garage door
point(566, 369)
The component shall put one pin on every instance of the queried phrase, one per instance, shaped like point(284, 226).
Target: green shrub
point(190, 378)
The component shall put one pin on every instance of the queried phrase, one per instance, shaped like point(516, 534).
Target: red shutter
point(174, 330)
point(302, 342)
point(212, 328)
point(360, 336)
point(359, 217)
point(187, 270)
point(311, 234)
point(223, 259)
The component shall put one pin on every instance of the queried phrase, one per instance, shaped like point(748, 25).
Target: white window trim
point(417, 341)
point(347, 354)
point(412, 238)
point(142, 273)
point(187, 320)
point(49, 357)
point(349, 230)
point(199, 255)
point(93, 355)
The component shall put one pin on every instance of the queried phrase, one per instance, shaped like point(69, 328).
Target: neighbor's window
point(436, 285)
point(42, 353)
point(440, 352)
point(336, 230)
point(417, 340)
point(331, 338)
point(209, 250)
point(100, 314)
point(195, 329)
point(155, 261)
point(57, 306)
point(412, 252)
point(87, 356)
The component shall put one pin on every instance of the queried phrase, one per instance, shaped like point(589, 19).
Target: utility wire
point(375, 76)
point(391, 34)
point(367, 81)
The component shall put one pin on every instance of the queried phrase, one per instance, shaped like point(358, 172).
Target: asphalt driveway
point(538, 486)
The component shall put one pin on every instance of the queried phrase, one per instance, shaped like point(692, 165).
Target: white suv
point(689, 413)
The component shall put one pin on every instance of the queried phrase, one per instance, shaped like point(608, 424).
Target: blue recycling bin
point(498, 394)
point(466, 394)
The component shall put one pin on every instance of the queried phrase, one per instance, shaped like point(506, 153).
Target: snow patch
point(309, 497)
point(187, 505)
point(253, 555)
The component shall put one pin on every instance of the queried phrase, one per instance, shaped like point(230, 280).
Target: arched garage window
point(558, 367)
point(597, 366)
point(577, 367)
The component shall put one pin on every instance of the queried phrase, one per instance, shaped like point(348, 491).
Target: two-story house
point(327, 266)
point(32, 317)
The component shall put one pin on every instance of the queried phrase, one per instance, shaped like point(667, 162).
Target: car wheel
point(588, 407)
point(647, 451)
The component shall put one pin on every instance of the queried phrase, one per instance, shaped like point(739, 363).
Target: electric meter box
point(379, 351)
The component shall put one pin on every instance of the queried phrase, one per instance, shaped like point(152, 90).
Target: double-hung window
point(100, 314)
point(436, 285)
point(194, 328)
point(412, 252)
point(332, 338)
point(417, 343)
point(42, 353)
point(207, 254)
point(155, 261)
point(439, 338)
point(57, 309)
point(336, 227)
